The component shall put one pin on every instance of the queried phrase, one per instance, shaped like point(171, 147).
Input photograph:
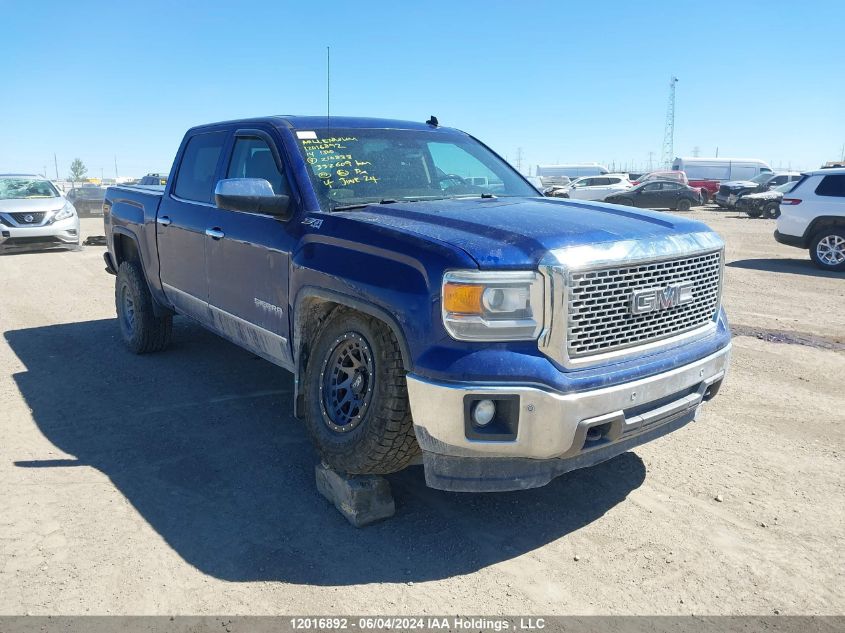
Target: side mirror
point(254, 195)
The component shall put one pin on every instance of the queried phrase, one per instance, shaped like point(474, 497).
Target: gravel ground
point(179, 483)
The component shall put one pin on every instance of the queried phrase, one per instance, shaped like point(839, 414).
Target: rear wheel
point(828, 249)
point(772, 210)
point(684, 204)
point(357, 410)
point(754, 212)
point(142, 330)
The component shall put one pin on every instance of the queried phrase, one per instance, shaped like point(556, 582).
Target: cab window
point(252, 158)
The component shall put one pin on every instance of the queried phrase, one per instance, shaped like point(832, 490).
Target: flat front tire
point(356, 408)
point(142, 331)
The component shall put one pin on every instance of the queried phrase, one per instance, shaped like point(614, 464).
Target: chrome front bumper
point(554, 426)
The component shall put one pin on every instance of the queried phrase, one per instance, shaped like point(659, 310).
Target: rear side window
point(199, 164)
point(833, 186)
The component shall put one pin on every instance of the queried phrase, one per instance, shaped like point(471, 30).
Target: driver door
point(249, 257)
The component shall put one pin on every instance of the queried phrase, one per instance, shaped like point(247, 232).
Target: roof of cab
point(320, 122)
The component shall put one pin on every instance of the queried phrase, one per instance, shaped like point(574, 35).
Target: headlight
point(65, 212)
point(492, 306)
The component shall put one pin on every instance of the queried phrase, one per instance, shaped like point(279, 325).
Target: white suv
point(597, 187)
point(812, 216)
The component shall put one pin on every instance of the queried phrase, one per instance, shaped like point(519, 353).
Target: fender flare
point(356, 303)
point(159, 309)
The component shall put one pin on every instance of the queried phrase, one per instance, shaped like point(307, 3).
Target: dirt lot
point(180, 483)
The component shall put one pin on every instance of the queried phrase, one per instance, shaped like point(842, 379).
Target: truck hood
point(31, 205)
point(520, 232)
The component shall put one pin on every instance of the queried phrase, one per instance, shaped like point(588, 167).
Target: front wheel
point(142, 330)
point(753, 212)
point(828, 249)
point(357, 410)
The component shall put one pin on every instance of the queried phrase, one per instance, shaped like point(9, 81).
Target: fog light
point(483, 412)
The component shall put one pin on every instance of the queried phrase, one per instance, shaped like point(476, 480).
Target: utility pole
point(669, 131)
point(651, 161)
point(116, 175)
point(519, 159)
point(696, 151)
point(56, 163)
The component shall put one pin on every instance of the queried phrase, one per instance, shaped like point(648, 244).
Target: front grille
point(724, 190)
point(599, 312)
point(28, 218)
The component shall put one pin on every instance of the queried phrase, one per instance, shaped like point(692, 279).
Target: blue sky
point(565, 81)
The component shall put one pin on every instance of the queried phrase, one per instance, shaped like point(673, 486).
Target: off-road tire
point(383, 439)
point(771, 210)
point(684, 205)
point(143, 332)
point(828, 233)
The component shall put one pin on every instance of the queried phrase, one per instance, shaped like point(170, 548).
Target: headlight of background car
point(492, 306)
point(65, 212)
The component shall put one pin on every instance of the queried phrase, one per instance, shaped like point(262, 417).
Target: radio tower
point(669, 132)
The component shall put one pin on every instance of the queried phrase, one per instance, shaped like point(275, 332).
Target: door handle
point(215, 233)
point(163, 220)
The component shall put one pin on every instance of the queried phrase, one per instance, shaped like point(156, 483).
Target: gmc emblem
point(654, 299)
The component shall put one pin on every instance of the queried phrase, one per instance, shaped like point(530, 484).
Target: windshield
point(786, 187)
point(762, 178)
point(359, 166)
point(19, 188)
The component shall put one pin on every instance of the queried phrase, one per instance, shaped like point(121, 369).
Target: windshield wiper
point(361, 205)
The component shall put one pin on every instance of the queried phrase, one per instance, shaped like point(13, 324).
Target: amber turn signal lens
point(462, 298)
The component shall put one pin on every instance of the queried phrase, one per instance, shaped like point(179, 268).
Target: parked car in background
point(730, 192)
point(87, 200)
point(679, 176)
point(572, 170)
point(33, 214)
point(595, 187)
point(153, 179)
point(812, 216)
point(721, 169)
point(658, 194)
point(554, 182)
point(765, 204)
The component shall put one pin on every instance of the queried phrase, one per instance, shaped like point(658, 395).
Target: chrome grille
point(29, 218)
point(598, 302)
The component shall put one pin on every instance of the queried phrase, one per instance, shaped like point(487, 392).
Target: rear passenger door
point(248, 260)
point(183, 217)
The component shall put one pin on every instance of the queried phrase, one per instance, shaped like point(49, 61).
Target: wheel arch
point(127, 247)
point(822, 222)
point(312, 306)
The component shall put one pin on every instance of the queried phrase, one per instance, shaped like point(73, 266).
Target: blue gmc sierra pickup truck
point(432, 306)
